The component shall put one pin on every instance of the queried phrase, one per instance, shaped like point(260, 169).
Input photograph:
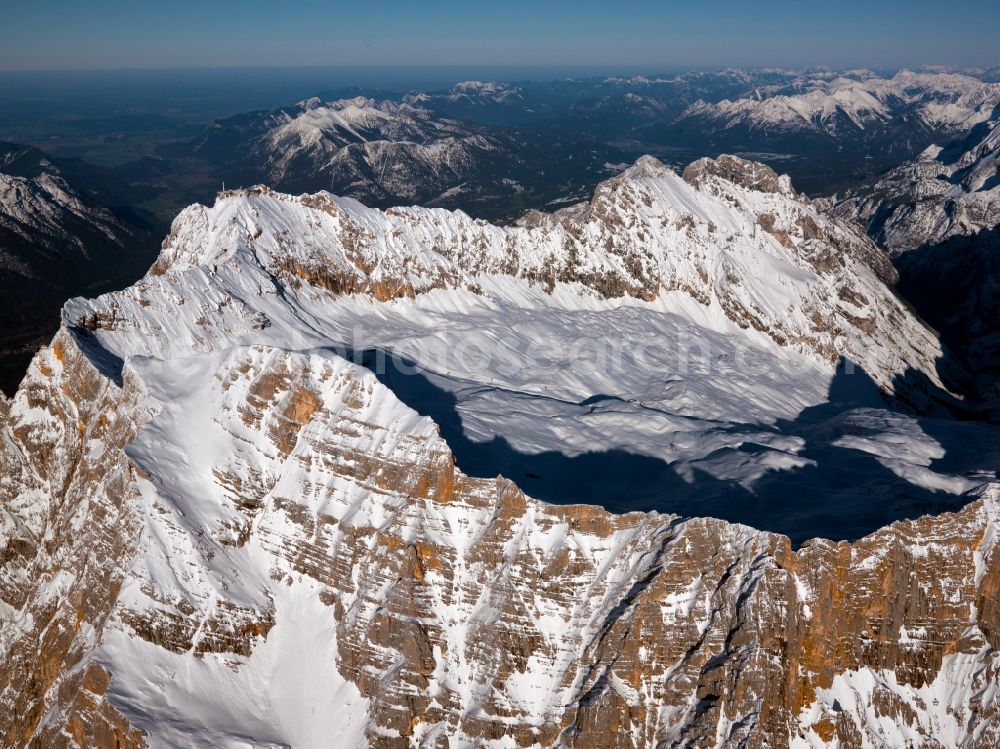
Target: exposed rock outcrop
point(216, 530)
point(945, 193)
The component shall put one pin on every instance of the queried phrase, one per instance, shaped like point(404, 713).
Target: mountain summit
point(224, 525)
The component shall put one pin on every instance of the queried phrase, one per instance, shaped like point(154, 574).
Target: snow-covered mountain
point(379, 151)
point(937, 102)
point(62, 233)
point(425, 150)
point(475, 93)
point(495, 149)
point(717, 236)
point(939, 218)
point(219, 529)
point(944, 193)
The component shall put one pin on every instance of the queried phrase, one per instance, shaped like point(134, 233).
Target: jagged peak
point(758, 259)
point(645, 166)
point(313, 102)
point(752, 175)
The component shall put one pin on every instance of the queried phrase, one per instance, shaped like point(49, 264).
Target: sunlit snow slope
point(673, 344)
point(226, 523)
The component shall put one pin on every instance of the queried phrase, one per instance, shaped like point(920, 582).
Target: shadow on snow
point(843, 493)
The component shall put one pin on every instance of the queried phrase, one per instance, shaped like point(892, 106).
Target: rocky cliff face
point(938, 217)
point(286, 553)
point(218, 531)
point(945, 193)
point(69, 523)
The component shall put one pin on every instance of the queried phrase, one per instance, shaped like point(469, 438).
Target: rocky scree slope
point(217, 531)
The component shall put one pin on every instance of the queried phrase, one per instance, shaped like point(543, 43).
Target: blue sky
point(54, 34)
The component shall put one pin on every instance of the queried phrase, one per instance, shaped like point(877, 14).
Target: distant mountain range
point(389, 153)
point(658, 457)
point(66, 228)
point(379, 151)
point(493, 149)
point(497, 148)
point(856, 103)
point(938, 217)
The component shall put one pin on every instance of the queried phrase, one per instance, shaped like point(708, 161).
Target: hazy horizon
point(552, 71)
point(116, 35)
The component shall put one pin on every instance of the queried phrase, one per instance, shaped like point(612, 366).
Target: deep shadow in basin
point(839, 493)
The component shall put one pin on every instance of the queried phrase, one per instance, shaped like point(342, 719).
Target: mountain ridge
point(956, 102)
point(64, 230)
point(938, 217)
point(946, 192)
point(217, 529)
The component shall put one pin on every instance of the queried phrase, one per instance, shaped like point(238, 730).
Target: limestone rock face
point(216, 530)
point(68, 523)
point(461, 612)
